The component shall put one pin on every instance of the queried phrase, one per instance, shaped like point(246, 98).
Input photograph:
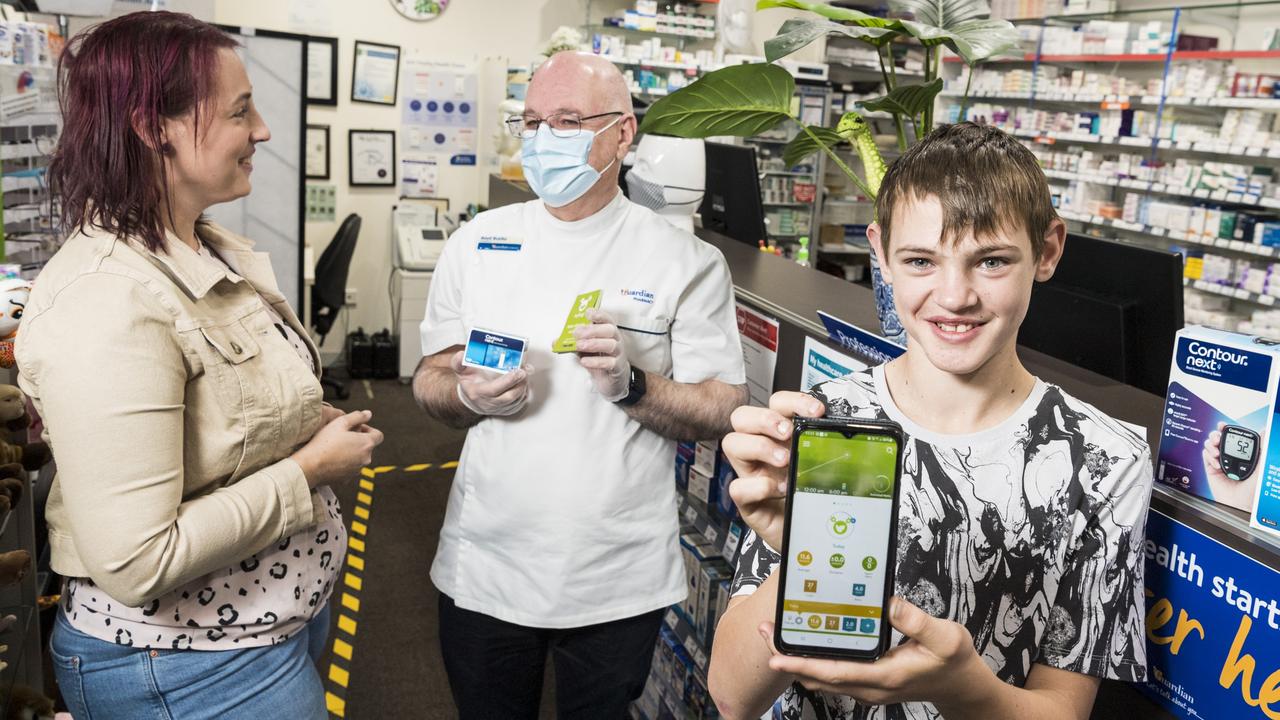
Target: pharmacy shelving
point(1231, 292)
point(1113, 101)
point(1199, 194)
point(702, 35)
point(814, 100)
point(725, 537)
point(1238, 247)
point(1176, 56)
point(657, 64)
point(1202, 147)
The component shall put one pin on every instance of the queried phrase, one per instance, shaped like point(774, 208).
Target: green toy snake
point(854, 130)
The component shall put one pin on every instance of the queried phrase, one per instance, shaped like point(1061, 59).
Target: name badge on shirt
point(500, 243)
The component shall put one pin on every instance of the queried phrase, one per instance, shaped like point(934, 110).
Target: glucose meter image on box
point(494, 351)
point(1238, 452)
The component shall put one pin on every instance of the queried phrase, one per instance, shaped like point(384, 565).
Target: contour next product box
point(1266, 501)
point(1216, 415)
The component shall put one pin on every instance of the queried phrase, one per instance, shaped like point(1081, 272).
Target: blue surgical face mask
point(556, 168)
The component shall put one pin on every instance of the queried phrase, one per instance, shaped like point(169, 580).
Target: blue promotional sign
point(1213, 626)
point(855, 339)
point(1231, 365)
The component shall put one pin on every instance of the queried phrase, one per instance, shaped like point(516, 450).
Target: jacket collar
point(197, 276)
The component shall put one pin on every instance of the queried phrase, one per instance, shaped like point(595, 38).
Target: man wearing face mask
point(561, 535)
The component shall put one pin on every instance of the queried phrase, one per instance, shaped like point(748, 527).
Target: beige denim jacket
point(171, 403)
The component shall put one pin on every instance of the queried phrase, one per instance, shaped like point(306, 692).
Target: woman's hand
point(937, 664)
point(339, 449)
point(760, 451)
point(329, 413)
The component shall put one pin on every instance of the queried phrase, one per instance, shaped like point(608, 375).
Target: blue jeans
point(103, 681)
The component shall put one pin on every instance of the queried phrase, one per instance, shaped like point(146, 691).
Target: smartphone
point(839, 542)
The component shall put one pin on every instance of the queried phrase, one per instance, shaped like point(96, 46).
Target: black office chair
point(329, 293)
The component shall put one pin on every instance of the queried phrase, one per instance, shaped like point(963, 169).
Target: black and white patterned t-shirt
point(1029, 534)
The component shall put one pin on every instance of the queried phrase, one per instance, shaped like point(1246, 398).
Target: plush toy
point(11, 486)
point(13, 415)
point(13, 300)
point(14, 566)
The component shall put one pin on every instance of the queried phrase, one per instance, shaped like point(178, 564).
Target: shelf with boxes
point(791, 196)
point(1239, 247)
point(1109, 101)
point(1173, 145)
point(709, 538)
point(652, 45)
point(28, 132)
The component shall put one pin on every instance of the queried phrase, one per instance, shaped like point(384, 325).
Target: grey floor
point(396, 670)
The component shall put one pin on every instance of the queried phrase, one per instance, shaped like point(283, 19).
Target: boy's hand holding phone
point(759, 449)
point(937, 664)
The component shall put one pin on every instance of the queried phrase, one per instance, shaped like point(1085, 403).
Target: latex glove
point(490, 393)
point(600, 351)
point(937, 664)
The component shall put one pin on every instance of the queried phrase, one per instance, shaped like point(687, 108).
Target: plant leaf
point(839, 14)
point(740, 100)
point(962, 25)
point(907, 100)
point(988, 38)
point(798, 32)
point(944, 14)
point(802, 146)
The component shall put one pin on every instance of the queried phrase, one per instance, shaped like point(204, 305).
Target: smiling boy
point(1022, 510)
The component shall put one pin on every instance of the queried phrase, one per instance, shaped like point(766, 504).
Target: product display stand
point(22, 660)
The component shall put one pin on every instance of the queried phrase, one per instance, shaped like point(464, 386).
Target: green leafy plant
point(745, 100)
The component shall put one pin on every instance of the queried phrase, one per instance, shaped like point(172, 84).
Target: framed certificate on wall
point(371, 158)
point(322, 70)
point(375, 73)
point(317, 156)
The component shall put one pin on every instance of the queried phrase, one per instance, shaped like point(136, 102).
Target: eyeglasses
point(563, 124)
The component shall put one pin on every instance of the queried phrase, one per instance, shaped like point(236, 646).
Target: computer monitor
point(731, 205)
point(1111, 307)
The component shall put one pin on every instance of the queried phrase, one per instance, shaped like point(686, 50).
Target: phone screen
point(838, 543)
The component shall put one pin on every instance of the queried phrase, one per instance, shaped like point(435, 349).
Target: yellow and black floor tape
point(348, 594)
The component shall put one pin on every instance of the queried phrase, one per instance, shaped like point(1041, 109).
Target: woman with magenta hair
point(190, 514)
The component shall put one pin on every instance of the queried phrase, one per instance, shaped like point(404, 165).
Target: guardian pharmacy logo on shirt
point(642, 296)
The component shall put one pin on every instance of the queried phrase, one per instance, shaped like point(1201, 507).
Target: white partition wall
point(271, 215)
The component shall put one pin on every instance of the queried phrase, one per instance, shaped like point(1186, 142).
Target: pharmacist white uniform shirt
point(564, 514)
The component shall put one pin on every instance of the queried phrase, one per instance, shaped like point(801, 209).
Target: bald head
point(578, 82)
